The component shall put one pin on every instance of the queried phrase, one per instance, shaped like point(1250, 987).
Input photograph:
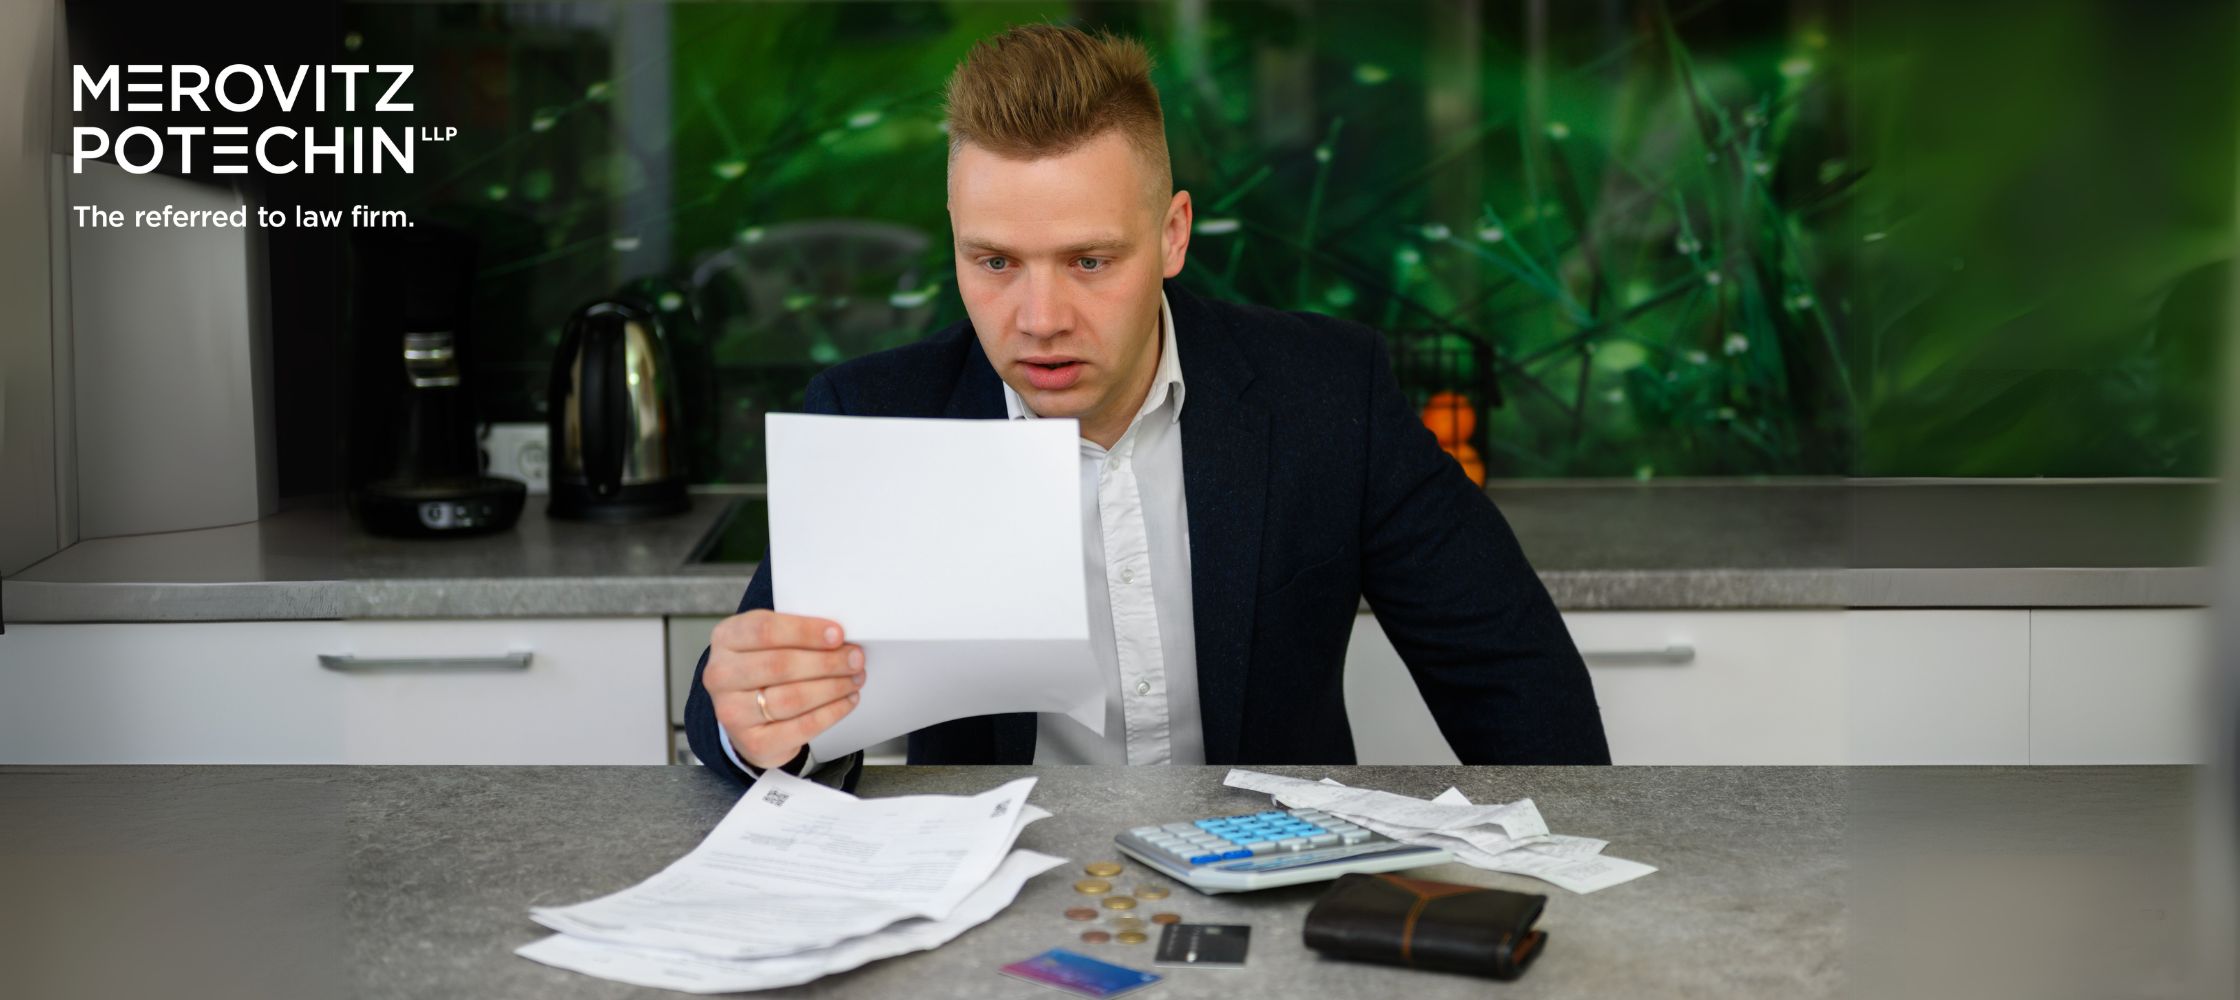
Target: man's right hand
point(808, 677)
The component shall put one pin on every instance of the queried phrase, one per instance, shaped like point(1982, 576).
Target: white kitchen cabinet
point(389, 692)
point(1723, 687)
point(1758, 687)
point(688, 638)
point(1938, 686)
point(2119, 686)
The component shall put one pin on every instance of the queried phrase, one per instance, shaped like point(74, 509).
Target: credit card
point(1204, 946)
point(1079, 974)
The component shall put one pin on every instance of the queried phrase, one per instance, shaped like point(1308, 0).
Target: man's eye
point(1091, 264)
point(996, 263)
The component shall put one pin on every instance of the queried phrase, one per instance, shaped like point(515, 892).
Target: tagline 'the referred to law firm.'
point(168, 217)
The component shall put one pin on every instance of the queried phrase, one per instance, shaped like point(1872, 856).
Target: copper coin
point(1151, 892)
point(1131, 937)
point(1119, 903)
point(1095, 937)
point(1092, 887)
point(1081, 913)
point(1166, 918)
point(1102, 869)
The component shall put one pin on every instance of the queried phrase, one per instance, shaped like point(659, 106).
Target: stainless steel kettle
point(614, 417)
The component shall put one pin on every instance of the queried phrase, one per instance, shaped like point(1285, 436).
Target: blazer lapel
point(1225, 480)
point(979, 393)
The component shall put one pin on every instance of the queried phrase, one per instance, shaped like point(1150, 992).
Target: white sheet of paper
point(1566, 862)
point(796, 865)
point(1520, 820)
point(1573, 863)
point(950, 550)
point(677, 970)
point(1578, 874)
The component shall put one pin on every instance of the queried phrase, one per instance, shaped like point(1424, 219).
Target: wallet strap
point(1424, 892)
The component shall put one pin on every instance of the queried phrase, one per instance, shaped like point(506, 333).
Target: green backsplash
point(1685, 239)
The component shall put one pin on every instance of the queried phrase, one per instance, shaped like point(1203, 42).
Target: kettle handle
point(606, 399)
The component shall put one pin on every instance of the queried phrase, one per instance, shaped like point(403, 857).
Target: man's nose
point(1043, 306)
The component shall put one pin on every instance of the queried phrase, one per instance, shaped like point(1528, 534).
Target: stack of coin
point(1102, 869)
point(1095, 937)
point(1125, 923)
point(1131, 937)
point(1166, 918)
point(1150, 892)
point(1081, 913)
point(1119, 902)
point(1092, 887)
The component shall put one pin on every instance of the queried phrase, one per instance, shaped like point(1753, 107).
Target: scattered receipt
point(1510, 838)
point(796, 866)
point(950, 550)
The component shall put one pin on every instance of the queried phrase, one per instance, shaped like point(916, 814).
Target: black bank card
point(1204, 946)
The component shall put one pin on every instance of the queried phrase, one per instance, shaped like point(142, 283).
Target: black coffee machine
point(414, 464)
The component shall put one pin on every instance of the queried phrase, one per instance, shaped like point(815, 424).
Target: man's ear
point(1174, 236)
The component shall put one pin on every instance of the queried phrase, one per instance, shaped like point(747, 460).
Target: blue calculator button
point(1207, 824)
point(1203, 859)
point(1271, 814)
point(1234, 855)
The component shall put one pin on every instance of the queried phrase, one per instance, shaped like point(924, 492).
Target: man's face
point(1059, 261)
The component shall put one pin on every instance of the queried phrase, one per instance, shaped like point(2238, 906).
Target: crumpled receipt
point(1511, 837)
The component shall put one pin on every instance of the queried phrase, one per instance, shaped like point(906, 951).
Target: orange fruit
point(1450, 418)
point(1472, 465)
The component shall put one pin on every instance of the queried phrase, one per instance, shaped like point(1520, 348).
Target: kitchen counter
point(1774, 882)
point(1598, 546)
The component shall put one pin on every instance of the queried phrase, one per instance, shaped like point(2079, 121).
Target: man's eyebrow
point(1093, 245)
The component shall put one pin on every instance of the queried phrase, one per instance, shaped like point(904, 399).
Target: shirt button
point(1143, 687)
point(1127, 576)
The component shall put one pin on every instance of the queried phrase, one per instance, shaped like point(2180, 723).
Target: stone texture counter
point(1775, 882)
point(1598, 546)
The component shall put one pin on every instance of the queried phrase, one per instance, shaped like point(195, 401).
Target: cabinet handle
point(1672, 655)
point(345, 663)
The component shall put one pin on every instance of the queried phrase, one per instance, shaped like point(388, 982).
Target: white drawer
point(2121, 686)
point(1939, 686)
point(1717, 687)
point(396, 692)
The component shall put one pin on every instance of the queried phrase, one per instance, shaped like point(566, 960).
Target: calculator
point(1263, 850)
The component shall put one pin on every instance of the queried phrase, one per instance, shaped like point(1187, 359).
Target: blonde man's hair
point(1041, 90)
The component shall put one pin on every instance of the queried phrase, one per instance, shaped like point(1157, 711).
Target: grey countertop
point(1797, 544)
point(1774, 882)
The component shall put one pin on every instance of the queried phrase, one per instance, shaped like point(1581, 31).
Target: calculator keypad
point(1251, 835)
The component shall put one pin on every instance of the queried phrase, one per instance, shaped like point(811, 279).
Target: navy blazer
point(1310, 484)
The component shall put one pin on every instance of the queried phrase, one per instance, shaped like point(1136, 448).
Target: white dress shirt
point(1135, 539)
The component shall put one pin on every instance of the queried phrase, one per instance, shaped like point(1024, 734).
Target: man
point(1248, 476)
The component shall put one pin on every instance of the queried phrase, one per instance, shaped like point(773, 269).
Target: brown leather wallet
point(1427, 925)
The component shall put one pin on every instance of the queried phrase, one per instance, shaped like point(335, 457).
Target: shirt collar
point(1168, 379)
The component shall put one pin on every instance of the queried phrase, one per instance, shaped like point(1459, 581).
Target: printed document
point(797, 866)
point(950, 550)
point(690, 973)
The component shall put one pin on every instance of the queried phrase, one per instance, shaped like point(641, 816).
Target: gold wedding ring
point(762, 706)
